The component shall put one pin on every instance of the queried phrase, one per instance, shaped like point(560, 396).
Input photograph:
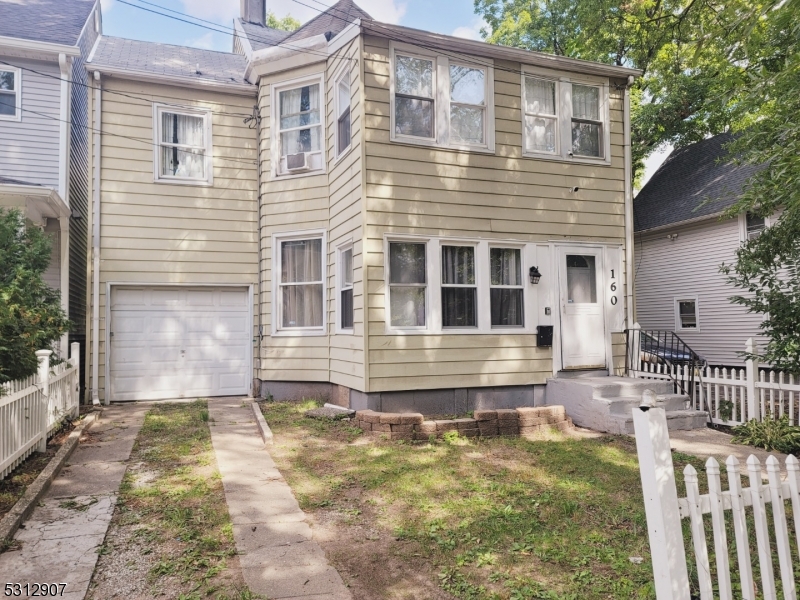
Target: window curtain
point(184, 130)
point(507, 305)
point(407, 284)
point(299, 108)
point(301, 263)
point(459, 304)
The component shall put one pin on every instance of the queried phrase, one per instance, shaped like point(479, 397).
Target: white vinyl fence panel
point(33, 408)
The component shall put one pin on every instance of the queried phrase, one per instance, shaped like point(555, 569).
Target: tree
point(31, 317)
point(287, 23)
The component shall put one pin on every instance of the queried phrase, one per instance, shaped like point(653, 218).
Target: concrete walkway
point(708, 442)
point(279, 557)
point(61, 539)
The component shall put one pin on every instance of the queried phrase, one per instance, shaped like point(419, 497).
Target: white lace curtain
point(300, 115)
point(183, 150)
point(301, 283)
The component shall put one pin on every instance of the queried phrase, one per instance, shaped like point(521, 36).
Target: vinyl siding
point(448, 193)
point(328, 201)
point(689, 266)
point(166, 233)
point(29, 148)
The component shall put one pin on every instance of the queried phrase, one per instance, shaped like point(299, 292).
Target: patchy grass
point(558, 518)
point(171, 534)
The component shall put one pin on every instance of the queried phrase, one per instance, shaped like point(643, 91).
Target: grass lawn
point(507, 518)
point(171, 534)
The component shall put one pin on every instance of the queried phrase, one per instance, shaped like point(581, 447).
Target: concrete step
point(622, 405)
point(582, 373)
point(677, 420)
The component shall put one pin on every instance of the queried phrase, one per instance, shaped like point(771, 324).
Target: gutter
point(96, 246)
point(12, 43)
point(630, 316)
point(230, 87)
point(281, 58)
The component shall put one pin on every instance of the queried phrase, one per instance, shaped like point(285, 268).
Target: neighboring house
point(363, 212)
point(43, 128)
point(681, 241)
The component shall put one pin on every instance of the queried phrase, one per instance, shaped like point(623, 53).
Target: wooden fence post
point(75, 361)
point(43, 356)
point(751, 371)
point(661, 504)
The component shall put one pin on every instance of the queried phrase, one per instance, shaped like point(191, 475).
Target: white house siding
point(689, 266)
point(161, 233)
point(29, 148)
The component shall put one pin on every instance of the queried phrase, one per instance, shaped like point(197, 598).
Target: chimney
point(253, 11)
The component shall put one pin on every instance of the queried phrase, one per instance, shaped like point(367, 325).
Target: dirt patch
point(15, 483)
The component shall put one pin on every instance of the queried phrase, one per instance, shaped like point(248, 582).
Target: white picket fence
point(32, 409)
point(730, 395)
point(745, 508)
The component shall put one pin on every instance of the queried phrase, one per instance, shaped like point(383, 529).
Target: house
point(681, 241)
point(44, 149)
point(376, 215)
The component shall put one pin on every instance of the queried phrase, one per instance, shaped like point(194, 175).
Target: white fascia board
point(290, 56)
point(210, 84)
point(34, 49)
point(35, 192)
point(243, 39)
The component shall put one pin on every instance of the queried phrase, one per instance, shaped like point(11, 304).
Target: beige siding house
point(442, 224)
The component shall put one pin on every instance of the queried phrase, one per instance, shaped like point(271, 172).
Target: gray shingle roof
point(332, 20)
point(688, 178)
point(53, 21)
point(9, 181)
point(174, 61)
point(261, 37)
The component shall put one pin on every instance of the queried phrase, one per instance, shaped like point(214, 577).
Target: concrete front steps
point(605, 403)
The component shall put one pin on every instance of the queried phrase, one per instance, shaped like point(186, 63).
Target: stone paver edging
point(263, 428)
point(36, 490)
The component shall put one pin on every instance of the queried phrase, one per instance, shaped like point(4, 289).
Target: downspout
point(259, 287)
point(96, 247)
point(629, 269)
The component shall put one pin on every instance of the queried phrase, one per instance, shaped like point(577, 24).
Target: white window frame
point(476, 286)
point(557, 116)
point(564, 114)
point(678, 323)
point(343, 75)
point(433, 293)
point(275, 119)
point(341, 286)
point(158, 110)
point(524, 283)
point(17, 92)
point(277, 303)
point(743, 225)
point(441, 109)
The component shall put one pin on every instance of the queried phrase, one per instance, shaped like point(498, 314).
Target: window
point(407, 284)
point(300, 285)
point(541, 115)
point(343, 113)
point(754, 225)
point(581, 279)
point(183, 146)
point(299, 128)
point(686, 313)
point(438, 101)
point(564, 118)
point(506, 291)
point(10, 108)
point(346, 288)
point(459, 289)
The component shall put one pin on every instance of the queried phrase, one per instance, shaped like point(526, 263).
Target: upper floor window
point(10, 105)
point(299, 127)
point(343, 119)
point(754, 225)
point(184, 146)
point(566, 119)
point(438, 101)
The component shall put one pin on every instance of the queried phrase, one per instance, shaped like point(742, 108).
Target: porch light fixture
point(535, 275)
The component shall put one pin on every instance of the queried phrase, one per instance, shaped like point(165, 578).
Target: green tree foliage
point(31, 317)
point(287, 23)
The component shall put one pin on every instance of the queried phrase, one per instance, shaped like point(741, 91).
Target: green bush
point(774, 435)
point(31, 317)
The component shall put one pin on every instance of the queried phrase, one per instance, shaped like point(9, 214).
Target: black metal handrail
point(665, 347)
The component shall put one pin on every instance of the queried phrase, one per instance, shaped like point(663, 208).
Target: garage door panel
point(179, 342)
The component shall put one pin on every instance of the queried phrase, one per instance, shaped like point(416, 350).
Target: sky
point(121, 18)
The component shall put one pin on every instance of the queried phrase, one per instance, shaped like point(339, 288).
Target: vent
point(297, 162)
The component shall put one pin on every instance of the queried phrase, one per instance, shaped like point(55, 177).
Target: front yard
point(507, 518)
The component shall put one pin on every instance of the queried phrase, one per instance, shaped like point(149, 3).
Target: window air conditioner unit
point(297, 162)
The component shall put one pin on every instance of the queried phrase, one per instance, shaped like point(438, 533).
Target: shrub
point(31, 317)
point(774, 435)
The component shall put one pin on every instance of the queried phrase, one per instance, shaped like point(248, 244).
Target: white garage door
point(179, 342)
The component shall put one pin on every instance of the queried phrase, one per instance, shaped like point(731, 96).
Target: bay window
point(300, 293)
point(439, 101)
point(10, 108)
point(506, 291)
point(407, 284)
point(183, 152)
point(565, 118)
point(459, 289)
point(299, 124)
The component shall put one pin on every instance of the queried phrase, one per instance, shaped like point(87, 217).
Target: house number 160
point(613, 289)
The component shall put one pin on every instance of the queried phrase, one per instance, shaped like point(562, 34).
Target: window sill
point(341, 156)
point(345, 332)
point(472, 331)
point(14, 118)
point(435, 145)
point(191, 182)
point(309, 173)
point(575, 160)
point(299, 333)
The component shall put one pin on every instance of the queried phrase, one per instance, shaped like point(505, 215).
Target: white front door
point(179, 342)
point(583, 331)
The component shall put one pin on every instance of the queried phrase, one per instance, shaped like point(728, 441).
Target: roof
point(167, 60)
point(9, 181)
point(690, 176)
point(261, 37)
point(333, 20)
point(52, 21)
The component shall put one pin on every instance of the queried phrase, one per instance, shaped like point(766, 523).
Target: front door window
point(581, 279)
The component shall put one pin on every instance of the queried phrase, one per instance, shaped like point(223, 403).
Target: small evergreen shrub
point(771, 434)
